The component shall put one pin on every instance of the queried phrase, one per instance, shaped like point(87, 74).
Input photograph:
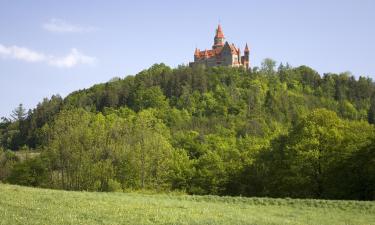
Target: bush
point(7, 161)
point(114, 186)
point(31, 172)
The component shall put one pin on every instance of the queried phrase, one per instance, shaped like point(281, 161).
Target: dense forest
point(277, 132)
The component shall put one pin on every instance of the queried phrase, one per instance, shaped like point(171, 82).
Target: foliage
point(92, 151)
point(285, 132)
point(7, 161)
point(31, 172)
point(310, 154)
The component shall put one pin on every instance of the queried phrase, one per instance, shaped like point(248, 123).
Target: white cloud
point(72, 59)
point(60, 26)
point(21, 53)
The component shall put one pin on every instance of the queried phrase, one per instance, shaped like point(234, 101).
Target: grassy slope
point(23, 205)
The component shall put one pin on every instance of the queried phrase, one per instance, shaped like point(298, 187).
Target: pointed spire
point(219, 32)
point(247, 48)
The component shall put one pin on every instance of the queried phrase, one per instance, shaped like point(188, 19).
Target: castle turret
point(219, 38)
point(196, 54)
point(246, 60)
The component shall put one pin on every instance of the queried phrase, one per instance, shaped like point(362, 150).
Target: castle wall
point(227, 60)
point(227, 56)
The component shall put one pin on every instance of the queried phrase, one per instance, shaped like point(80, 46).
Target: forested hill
point(285, 132)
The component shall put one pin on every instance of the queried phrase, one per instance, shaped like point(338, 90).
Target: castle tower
point(219, 38)
point(246, 61)
point(196, 54)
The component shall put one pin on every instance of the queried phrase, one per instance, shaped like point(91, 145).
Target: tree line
point(279, 132)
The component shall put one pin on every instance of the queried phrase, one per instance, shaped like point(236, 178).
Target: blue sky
point(56, 47)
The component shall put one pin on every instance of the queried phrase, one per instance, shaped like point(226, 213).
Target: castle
point(222, 54)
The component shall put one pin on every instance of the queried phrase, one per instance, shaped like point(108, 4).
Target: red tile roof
point(208, 53)
point(233, 49)
point(219, 32)
point(215, 52)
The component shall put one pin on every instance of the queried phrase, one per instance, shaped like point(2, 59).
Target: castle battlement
point(222, 54)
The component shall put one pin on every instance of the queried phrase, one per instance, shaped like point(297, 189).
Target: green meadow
point(25, 205)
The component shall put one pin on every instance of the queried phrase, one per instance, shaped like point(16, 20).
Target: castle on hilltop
point(222, 54)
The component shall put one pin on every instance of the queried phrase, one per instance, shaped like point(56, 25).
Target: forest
point(275, 131)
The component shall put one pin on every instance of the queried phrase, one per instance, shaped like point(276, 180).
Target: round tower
point(219, 38)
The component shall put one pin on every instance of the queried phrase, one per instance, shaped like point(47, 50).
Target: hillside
point(22, 205)
point(285, 132)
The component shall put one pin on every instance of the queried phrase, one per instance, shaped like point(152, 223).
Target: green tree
point(7, 161)
point(268, 66)
point(312, 146)
point(19, 113)
point(371, 111)
point(31, 172)
point(150, 98)
point(312, 150)
point(151, 150)
point(210, 177)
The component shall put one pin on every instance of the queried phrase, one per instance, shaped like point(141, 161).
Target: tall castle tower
point(245, 58)
point(219, 38)
point(222, 53)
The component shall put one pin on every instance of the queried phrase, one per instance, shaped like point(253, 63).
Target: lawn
point(24, 205)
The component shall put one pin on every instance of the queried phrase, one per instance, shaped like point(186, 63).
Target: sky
point(56, 47)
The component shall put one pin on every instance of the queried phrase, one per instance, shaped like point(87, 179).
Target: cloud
point(72, 59)
point(21, 53)
point(60, 26)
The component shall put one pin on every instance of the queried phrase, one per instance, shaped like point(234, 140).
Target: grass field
point(23, 205)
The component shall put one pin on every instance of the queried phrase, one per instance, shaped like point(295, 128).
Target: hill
point(285, 132)
point(22, 205)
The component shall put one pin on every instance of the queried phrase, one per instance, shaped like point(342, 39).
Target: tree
point(151, 150)
point(268, 66)
point(210, 177)
point(350, 175)
point(150, 98)
point(31, 172)
point(359, 173)
point(371, 111)
point(82, 149)
point(312, 146)
point(219, 130)
point(7, 161)
point(92, 151)
point(19, 113)
point(307, 76)
point(15, 130)
point(310, 155)
point(181, 170)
